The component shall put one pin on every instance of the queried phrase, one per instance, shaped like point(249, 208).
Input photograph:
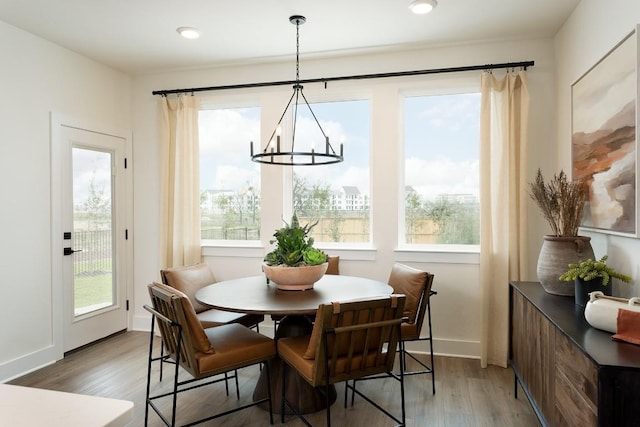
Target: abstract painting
point(603, 141)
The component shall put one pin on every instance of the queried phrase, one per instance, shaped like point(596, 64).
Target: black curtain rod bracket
point(324, 80)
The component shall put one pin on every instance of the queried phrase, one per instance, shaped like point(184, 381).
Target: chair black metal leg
point(283, 367)
point(402, 388)
point(235, 373)
point(346, 389)
point(161, 357)
point(146, 406)
point(266, 366)
point(175, 384)
point(327, 386)
point(433, 371)
point(353, 392)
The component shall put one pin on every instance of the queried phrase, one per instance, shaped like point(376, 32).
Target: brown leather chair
point(192, 348)
point(334, 265)
point(416, 285)
point(189, 280)
point(350, 340)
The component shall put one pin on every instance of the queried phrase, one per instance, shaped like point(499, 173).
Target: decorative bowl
point(294, 278)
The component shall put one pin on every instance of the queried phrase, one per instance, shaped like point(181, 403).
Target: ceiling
point(139, 36)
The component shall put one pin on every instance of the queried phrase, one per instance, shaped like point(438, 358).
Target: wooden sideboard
point(573, 374)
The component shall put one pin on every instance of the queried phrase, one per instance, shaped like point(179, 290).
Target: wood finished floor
point(466, 395)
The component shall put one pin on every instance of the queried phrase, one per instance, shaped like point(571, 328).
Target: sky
point(440, 133)
point(442, 149)
point(90, 165)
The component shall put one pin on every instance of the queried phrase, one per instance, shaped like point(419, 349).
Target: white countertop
point(31, 407)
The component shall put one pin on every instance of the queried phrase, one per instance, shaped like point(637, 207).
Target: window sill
point(441, 254)
point(233, 248)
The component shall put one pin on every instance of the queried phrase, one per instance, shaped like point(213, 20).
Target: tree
point(414, 212)
point(253, 202)
point(336, 218)
point(97, 207)
point(457, 222)
point(441, 211)
point(464, 227)
point(300, 192)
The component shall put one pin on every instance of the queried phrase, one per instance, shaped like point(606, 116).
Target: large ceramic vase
point(555, 256)
point(294, 278)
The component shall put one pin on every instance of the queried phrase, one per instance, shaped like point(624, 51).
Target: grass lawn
point(92, 290)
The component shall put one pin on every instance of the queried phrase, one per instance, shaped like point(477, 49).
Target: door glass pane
point(93, 279)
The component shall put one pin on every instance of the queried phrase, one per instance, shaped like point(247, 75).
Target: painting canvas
point(604, 146)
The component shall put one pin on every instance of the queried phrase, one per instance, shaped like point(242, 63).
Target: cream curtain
point(504, 116)
point(179, 186)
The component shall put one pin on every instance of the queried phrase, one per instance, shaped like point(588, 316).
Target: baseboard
point(28, 363)
point(446, 347)
point(141, 323)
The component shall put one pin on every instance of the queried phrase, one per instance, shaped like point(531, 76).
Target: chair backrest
point(416, 285)
point(181, 331)
point(189, 280)
point(334, 265)
point(360, 338)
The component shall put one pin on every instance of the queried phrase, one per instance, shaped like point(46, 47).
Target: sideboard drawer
point(576, 386)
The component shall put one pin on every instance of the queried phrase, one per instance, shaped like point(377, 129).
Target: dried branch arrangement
point(561, 202)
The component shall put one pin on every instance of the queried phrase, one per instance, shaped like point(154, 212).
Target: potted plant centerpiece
point(294, 264)
point(590, 276)
point(561, 202)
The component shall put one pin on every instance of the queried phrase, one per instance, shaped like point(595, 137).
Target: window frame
point(446, 85)
point(230, 102)
point(325, 96)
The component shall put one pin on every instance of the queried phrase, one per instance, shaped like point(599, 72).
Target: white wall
point(37, 78)
point(456, 309)
point(593, 29)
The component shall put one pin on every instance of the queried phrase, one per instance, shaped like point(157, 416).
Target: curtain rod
point(523, 64)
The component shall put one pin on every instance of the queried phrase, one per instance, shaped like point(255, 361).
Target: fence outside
point(96, 252)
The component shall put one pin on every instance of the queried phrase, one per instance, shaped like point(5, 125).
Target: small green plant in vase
point(589, 276)
point(294, 264)
point(294, 246)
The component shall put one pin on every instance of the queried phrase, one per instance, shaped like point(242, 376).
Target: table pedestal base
point(306, 398)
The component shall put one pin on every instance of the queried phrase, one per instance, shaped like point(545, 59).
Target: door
point(94, 235)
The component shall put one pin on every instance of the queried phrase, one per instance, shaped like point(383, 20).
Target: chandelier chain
point(297, 52)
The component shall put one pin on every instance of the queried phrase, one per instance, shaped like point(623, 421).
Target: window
point(229, 184)
point(336, 195)
point(441, 149)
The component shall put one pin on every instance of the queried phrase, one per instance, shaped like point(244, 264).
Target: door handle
point(69, 251)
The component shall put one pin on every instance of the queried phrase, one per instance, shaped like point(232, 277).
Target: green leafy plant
point(590, 269)
point(294, 246)
point(561, 202)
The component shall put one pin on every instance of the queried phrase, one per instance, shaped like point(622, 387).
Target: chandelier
point(272, 153)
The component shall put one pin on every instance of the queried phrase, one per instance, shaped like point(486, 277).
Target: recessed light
point(188, 32)
point(420, 7)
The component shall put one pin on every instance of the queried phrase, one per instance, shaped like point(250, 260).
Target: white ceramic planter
point(602, 311)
